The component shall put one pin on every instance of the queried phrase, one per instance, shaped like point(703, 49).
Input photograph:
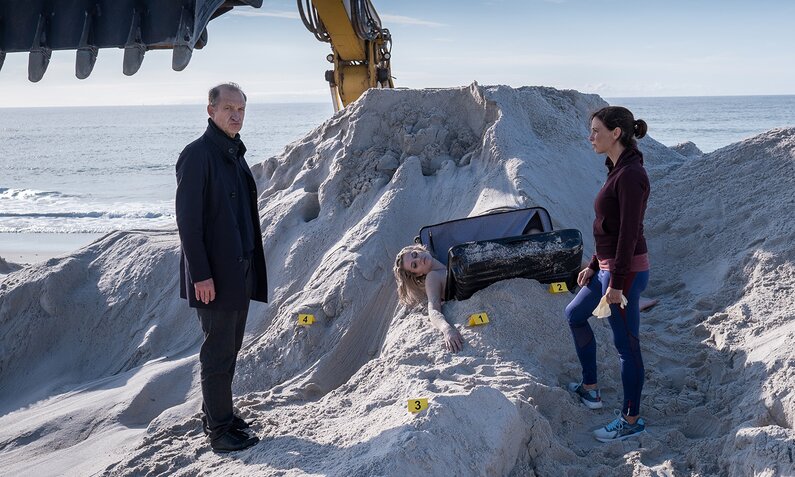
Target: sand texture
point(98, 355)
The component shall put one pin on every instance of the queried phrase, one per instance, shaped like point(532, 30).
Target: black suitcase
point(479, 251)
point(439, 238)
point(547, 257)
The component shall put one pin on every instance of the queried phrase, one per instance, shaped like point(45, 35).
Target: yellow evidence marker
point(477, 319)
point(305, 320)
point(417, 405)
point(558, 287)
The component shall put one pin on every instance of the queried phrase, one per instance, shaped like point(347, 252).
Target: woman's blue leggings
point(625, 323)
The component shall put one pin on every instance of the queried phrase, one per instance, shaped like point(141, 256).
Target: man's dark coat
point(207, 215)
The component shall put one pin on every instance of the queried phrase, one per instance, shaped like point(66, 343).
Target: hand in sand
point(205, 290)
point(584, 278)
point(453, 340)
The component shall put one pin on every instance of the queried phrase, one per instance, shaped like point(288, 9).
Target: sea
point(98, 169)
point(93, 170)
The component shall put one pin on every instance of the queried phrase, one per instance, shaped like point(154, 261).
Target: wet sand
point(38, 247)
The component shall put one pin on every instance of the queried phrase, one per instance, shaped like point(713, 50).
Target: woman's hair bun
point(640, 128)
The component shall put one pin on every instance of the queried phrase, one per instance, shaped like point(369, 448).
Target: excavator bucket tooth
point(42, 26)
point(84, 62)
point(86, 55)
point(183, 43)
point(181, 57)
point(133, 57)
point(38, 61)
point(134, 48)
point(39, 57)
point(202, 40)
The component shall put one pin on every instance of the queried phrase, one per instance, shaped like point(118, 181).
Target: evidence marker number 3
point(417, 405)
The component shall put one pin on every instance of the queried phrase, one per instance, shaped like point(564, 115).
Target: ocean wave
point(81, 225)
point(86, 215)
point(7, 193)
point(30, 210)
point(39, 211)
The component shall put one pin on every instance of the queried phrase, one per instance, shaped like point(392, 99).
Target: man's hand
point(613, 296)
point(205, 290)
point(584, 278)
point(453, 340)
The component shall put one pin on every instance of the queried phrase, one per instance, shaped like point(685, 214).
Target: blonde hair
point(410, 287)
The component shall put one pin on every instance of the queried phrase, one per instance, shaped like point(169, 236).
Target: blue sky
point(615, 48)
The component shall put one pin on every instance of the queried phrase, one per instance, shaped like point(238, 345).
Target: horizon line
point(324, 102)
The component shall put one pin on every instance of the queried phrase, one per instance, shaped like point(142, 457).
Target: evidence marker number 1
point(305, 319)
point(417, 405)
point(477, 319)
point(558, 287)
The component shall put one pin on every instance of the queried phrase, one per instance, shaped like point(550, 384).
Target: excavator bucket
point(41, 26)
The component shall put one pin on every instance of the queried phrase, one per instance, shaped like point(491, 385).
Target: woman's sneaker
point(590, 397)
point(619, 429)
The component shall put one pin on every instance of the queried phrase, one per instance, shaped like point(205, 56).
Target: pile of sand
point(98, 364)
point(8, 267)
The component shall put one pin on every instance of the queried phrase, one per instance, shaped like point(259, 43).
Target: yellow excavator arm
point(360, 46)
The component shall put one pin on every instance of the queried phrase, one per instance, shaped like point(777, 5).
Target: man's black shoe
point(233, 440)
point(205, 426)
point(237, 423)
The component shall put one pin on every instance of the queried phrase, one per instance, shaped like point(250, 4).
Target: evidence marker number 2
point(558, 287)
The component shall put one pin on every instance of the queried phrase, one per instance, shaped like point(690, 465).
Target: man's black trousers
point(223, 338)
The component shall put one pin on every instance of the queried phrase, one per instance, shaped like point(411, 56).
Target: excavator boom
point(361, 47)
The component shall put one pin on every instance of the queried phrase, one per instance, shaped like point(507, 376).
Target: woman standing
point(620, 268)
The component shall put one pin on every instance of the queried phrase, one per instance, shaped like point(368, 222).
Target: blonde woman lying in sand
point(419, 276)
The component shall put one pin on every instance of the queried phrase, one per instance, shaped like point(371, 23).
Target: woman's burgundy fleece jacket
point(620, 207)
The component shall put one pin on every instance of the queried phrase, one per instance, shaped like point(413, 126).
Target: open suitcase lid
point(439, 238)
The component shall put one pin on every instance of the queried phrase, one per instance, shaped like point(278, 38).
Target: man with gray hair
point(222, 264)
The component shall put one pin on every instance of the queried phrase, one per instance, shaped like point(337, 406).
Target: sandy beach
point(27, 248)
point(99, 368)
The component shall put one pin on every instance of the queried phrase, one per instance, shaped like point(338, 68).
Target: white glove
point(602, 310)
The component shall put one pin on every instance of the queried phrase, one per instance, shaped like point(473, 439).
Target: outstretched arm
point(433, 288)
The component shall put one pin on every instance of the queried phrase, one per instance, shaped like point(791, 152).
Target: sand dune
point(98, 363)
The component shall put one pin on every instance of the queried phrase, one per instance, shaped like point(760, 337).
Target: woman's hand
point(584, 278)
point(613, 296)
point(452, 339)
